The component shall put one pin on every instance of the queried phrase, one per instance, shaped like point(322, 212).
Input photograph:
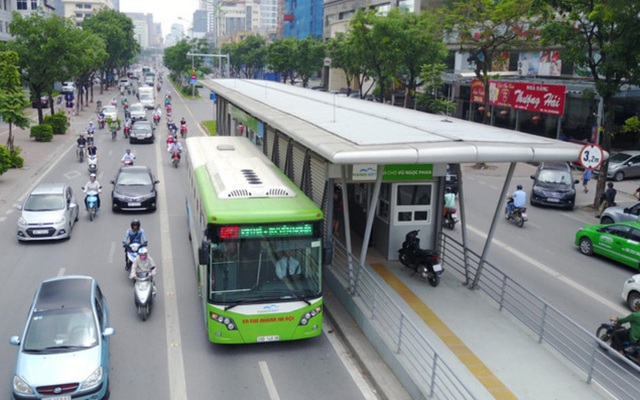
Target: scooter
point(450, 218)
point(630, 350)
point(156, 119)
point(183, 130)
point(126, 130)
point(92, 164)
point(518, 216)
point(114, 134)
point(101, 122)
point(130, 254)
point(175, 158)
point(143, 292)
point(92, 203)
point(422, 261)
point(90, 138)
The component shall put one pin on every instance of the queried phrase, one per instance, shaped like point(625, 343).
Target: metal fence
point(429, 371)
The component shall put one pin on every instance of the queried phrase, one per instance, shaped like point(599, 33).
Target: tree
point(487, 28)
point(432, 78)
point(280, 57)
point(175, 58)
point(235, 62)
point(309, 58)
point(12, 100)
point(252, 55)
point(602, 36)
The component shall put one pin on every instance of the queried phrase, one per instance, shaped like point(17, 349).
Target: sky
point(164, 11)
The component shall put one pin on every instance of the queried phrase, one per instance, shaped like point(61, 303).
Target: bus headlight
point(304, 320)
point(226, 321)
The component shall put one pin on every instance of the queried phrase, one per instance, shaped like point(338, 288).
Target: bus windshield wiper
point(239, 302)
point(301, 297)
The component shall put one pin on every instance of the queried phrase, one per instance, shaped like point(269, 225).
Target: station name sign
point(393, 172)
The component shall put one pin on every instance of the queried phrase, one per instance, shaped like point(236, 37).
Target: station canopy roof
point(348, 130)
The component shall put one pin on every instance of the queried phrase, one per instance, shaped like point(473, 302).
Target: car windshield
point(141, 127)
point(619, 157)
point(134, 178)
point(553, 176)
point(137, 107)
point(146, 97)
point(61, 329)
point(44, 202)
point(109, 110)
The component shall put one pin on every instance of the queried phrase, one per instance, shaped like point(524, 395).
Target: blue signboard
point(212, 96)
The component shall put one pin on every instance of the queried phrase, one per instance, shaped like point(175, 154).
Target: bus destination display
point(261, 231)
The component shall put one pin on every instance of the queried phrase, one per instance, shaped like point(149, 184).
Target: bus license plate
point(134, 204)
point(272, 338)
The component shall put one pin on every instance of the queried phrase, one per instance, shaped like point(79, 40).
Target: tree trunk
point(606, 146)
point(10, 139)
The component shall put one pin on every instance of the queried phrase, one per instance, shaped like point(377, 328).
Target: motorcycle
point(101, 122)
point(126, 130)
point(80, 153)
point(90, 138)
point(156, 119)
point(92, 203)
point(92, 164)
point(175, 158)
point(450, 218)
point(183, 130)
point(114, 133)
point(127, 162)
point(422, 261)
point(143, 292)
point(518, 216)
point(630, 350)
point(130, 254)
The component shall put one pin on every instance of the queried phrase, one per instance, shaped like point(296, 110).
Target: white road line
point(61, 271)
point(348, 361)
point(555, 274)
point(268, 380)
point(112, 252)
point(175, 359)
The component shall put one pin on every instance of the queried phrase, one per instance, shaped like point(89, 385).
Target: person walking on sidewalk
point(607, 199)
point(585, 179)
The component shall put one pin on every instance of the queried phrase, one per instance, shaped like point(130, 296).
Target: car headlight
point(60, 221)
point(22, 222)
point(93, 380)
point(146, 196)
point(537, 189)
point(118, 195)
point(20, 386)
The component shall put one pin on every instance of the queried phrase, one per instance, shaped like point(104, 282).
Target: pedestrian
point(636, 194)
point(585, 179)
point(338, 210)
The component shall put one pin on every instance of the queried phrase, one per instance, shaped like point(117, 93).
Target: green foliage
point(175, 57)
point(12, 98)
point(631, 125)
point(16, 160)
point(431, 99)
point(211, 127)
point(58, 122)
point(42, 133)
point(280, 57)
point(309, 58)
point(251, 54)
point(5, 160)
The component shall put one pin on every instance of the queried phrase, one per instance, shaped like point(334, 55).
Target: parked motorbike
point(450, 218)
point(175, 158)
point(519, 215)
point(92, 164)
point(630, 350)
point(143, 293)
point(92, 203)
point(130, 254)
point(183, 130)
point(422, 261)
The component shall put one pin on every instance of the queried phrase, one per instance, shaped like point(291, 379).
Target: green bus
point(257, 242)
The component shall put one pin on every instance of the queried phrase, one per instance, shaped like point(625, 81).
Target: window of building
point(87, 6)
point(78, 5)
point(347, 15)
point(383, 9)
point(22, 4)
point(413, 202)
point(34, 4)
point(79, 15)
point(383, 202)
point(330, 19)
point(408, 5)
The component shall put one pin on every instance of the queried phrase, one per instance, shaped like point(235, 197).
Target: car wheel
point(618, 176)
point(606, 220)
point(586, 247)
point(632, 298)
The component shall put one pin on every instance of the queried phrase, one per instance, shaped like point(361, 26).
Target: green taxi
point(619, 241)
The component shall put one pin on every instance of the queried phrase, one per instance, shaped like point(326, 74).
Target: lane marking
point(112, 252)
point(268, 380)
point(347, 360)
point(474, 364)
point(616, 307)
point(175, 358)
point(61, 271)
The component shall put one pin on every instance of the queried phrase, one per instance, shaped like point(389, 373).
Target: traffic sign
point(591, 156)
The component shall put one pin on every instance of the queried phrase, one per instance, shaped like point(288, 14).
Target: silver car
point(110, 112)
point(623, 165)
point(63, 352)
point(49, 212)
point(137, 111)
point(620, 214)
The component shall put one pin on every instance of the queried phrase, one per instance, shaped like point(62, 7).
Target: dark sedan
point(553, 185)
point(142, 131)
point(134, 189)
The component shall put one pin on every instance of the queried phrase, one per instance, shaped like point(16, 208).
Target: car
point(631, 290)
point(137, 111)
point(554, 185)
point(142, 131)
point(134, 188)
point(63, 352)
point(620, 214)
point(110, 112)
point(49, 212)
point(68, 87)
point(619, 241)
point(124, 82)
point(625, 164)
point(44, 100)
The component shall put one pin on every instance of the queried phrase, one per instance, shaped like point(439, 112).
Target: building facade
point(79, 10)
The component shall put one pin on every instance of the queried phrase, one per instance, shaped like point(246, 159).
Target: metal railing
point(428, 370)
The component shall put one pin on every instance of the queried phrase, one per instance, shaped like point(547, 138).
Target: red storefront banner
point(546, 99)
point(477, 91)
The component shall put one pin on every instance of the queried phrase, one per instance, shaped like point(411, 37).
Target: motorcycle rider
point(93, 184)
point(607, 198)
point(449, 200)
point(175, 146)
point(144, 262)
point(518, 199)
point(128, 156)
point(82, 142)
point(135, 234)
point(628, 335)
point(92, 150)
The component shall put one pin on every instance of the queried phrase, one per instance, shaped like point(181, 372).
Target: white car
point(631, 290)
point(124, 82)
point(137, 111)
point(68, 87)
point(110, 112)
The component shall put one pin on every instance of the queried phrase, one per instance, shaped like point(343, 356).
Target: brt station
point(390, 162)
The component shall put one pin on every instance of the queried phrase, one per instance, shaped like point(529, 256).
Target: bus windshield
point(264, 269)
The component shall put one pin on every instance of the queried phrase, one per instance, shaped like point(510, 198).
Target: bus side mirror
point(203, 252)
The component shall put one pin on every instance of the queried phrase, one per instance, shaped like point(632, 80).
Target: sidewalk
point(39, 156)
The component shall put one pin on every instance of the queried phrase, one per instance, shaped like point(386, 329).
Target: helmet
point(142, 252)
point(92, 176)
point(135, 223)
point(447, 190)
point(128, 150)
point(81, 135)
point(519, 187)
